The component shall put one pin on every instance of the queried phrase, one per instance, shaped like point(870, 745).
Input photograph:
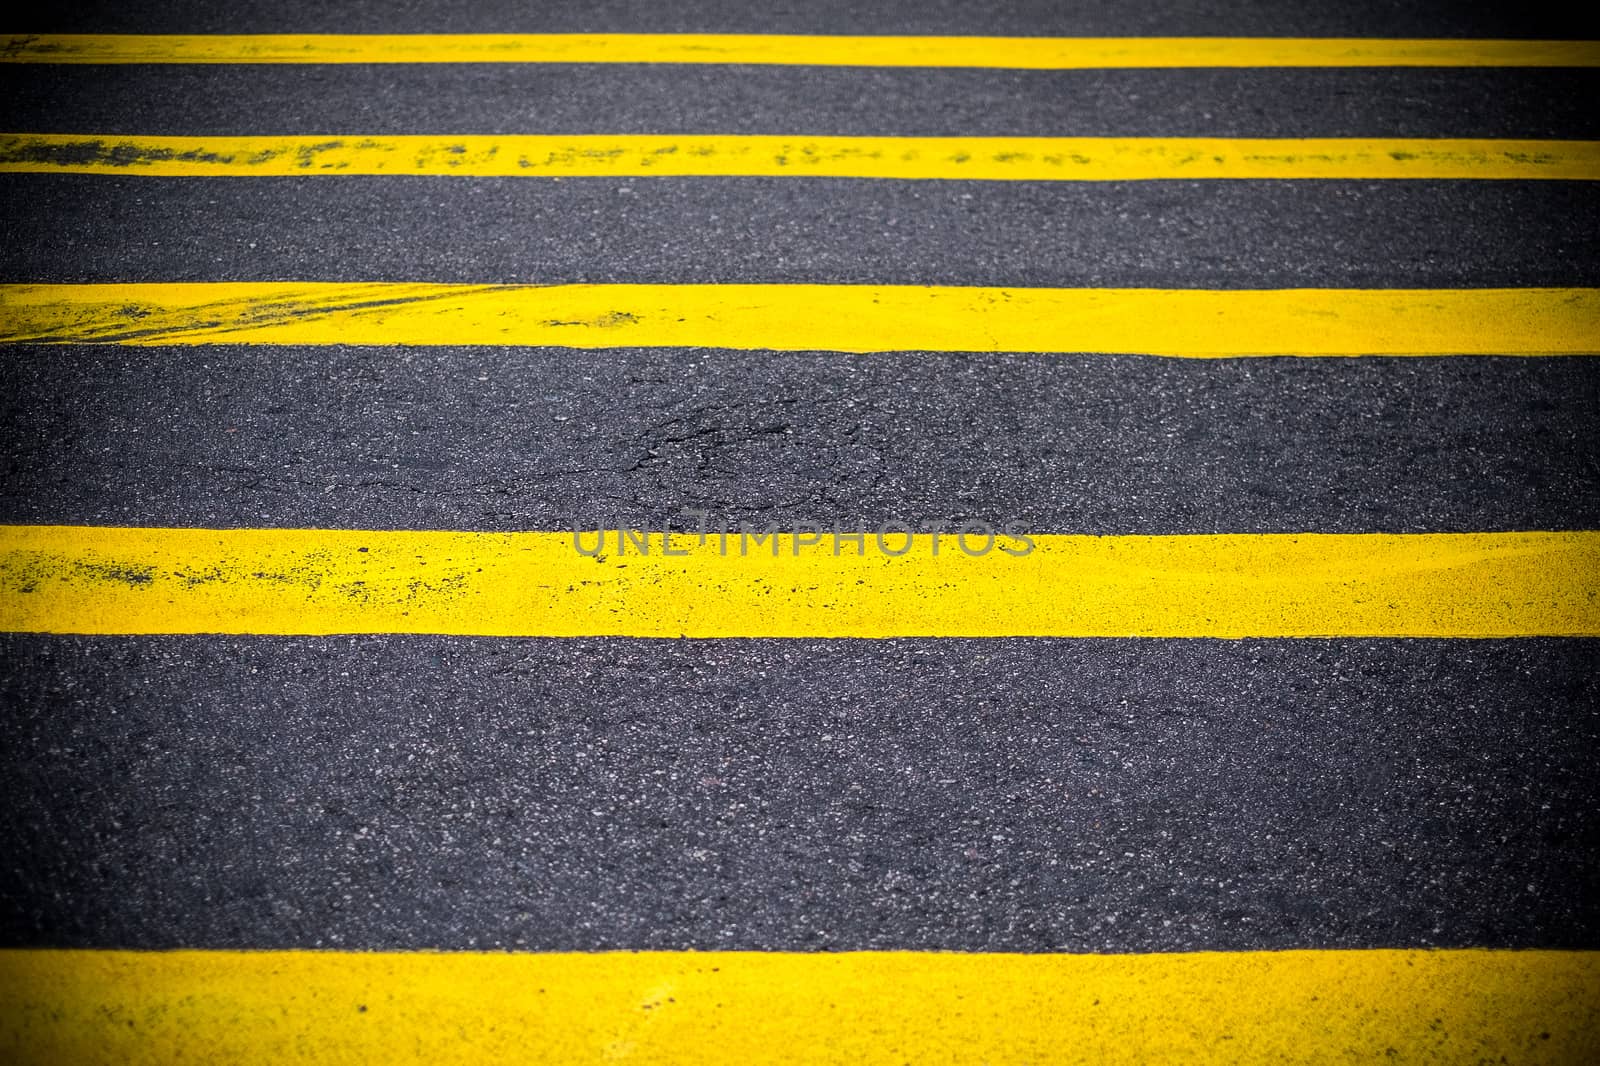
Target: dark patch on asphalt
point(100, 153)
point(1012, 795)
point(22, 573)
point(225, 318)
point(386, 585)
point(124, 154)
point(609, 320)
point(15, 46)
point(307, 154)
point(132, 574)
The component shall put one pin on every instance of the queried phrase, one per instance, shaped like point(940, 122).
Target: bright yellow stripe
point(908, 158)
point(748, 1007)
point(1195, 323)
point(1041, 53)
point(77, 579)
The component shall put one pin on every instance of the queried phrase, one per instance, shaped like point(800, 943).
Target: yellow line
point(1041, 53)
point(908, 158)
point(78, 579)
point(748, 1007)
point(1194, 323)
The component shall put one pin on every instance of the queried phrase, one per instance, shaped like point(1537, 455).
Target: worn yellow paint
point(1039, 53)
point(909, 158)
point(885, 1008)
point(1195, 323)
point(81, 579)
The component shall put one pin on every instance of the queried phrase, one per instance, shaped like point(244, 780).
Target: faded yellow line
point(1194, 323)
point(867, 1007)
point(907, 158)
point(1042, 53)
point(79, 579)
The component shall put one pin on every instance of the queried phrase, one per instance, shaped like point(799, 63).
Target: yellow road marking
point(868, 1007)
point(1041, 53)
point(1194, 323)
point(82, 579)
point(909, 158)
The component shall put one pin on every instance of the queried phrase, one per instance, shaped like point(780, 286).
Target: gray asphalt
point(1005, 795)
point(1015, 795)
point(1023, 18)
point(548, 439)
point(1212, 234)
point(449, 99)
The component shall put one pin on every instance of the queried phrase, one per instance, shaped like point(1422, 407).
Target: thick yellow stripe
point(1195, 323)
point(77, 579)
point(747, 1007)
point(1041, 53)
point(909, 158)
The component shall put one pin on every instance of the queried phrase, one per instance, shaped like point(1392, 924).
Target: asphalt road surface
point(386, 791)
